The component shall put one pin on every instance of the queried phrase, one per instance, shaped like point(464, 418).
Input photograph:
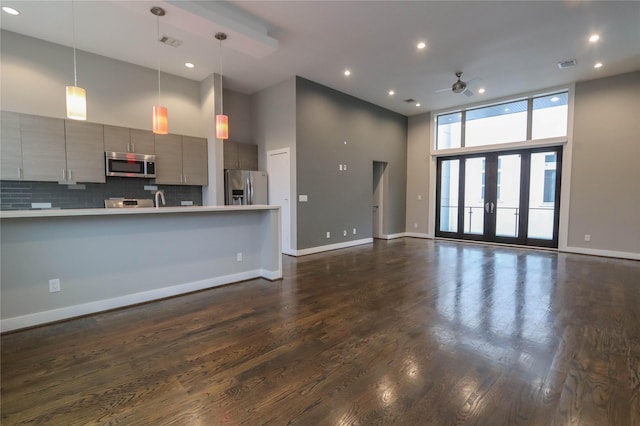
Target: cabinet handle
point(19, 172)
point(64, 174)
point(70, 175)
point(185, 178)
point(133, 147)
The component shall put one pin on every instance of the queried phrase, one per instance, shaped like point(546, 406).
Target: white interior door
point(378, 199)
point(279, 170)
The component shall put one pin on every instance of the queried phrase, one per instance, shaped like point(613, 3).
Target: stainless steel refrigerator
point(245, 187)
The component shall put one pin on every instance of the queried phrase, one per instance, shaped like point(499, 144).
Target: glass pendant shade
point(76, 103)
point(160, 120)
point(222, 126)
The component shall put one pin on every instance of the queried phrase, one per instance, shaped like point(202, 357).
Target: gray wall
point(338, 201)
point(274, 127)
point(605, 197)
point(418, 169)
point(237, 107)
point(34, 74)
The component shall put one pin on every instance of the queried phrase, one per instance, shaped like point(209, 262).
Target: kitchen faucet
point(157, 195)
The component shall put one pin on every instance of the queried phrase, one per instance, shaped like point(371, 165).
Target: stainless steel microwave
point(127, 164)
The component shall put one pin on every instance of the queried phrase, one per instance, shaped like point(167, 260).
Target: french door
point(508, 197)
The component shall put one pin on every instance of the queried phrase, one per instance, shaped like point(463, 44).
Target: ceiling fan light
point(76, 103)
point(160, 120)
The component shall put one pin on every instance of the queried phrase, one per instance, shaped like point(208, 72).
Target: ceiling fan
point(459, 86)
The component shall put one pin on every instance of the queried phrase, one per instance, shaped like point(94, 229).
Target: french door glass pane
point(542, 195)
point(449, 181)
point(508, 203)
point(474, 195)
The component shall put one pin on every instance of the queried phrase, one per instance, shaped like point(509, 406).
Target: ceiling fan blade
point(448, 89)
point(473, 80)
point(468, 92)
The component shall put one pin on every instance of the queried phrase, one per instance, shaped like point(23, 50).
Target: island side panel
point(110, 261)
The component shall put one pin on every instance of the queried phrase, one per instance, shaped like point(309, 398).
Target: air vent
point(566, 64)
point(410, 101)
point(170, 41)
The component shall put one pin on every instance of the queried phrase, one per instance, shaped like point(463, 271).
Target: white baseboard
point(67, 312)
point(604, 253)
point(418, 235)
point(329, 247)
point(393, 236)
point(271, 275)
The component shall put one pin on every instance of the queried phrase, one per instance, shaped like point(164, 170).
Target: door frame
point(490, 221)
point(378, 230)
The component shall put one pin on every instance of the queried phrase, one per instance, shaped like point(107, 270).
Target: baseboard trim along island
point(110, 258)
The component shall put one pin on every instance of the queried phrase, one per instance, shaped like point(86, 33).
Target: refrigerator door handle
point(251, 189)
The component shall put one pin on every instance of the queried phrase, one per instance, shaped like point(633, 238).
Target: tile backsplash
point(18, 195)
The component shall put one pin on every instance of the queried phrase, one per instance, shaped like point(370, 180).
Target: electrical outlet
point(344, 233)
point(344, 167)
point(340, 167)
point(587, 237)
point(54, 285)
point(419, 197)
point(328, 234)
point(239, 257)
point(354, 231)
point(415, 225)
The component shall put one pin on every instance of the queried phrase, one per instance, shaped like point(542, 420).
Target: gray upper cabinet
point(194, 161)
point(122, 139)
point(85, 151)
point(43, 148)
point(240, 156)
point(142, 141)
point(11, 148)
point(169, 159)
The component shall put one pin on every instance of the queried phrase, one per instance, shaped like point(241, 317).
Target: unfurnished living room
point(320, 213)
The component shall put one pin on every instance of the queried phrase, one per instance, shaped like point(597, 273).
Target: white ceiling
point(509, 47)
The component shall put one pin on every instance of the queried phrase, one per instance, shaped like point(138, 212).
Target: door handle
point(486, 207)
point(492, 207)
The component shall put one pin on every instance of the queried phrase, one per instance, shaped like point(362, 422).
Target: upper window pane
point(496, 124)
point(449, 131)
point(550, 116)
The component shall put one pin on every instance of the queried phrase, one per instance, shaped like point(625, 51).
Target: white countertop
point(10, 214)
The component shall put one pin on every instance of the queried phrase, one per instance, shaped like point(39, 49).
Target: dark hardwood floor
point(402, 332)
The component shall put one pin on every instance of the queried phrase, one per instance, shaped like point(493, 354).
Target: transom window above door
point(519, 120)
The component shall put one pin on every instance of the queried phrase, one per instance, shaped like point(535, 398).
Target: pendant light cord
point(158, 54)
point(73, 29)
point(221, 101)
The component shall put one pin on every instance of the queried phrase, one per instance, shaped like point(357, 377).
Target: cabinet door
point(117, 139)
point(248, 156)
point(168, 159)
point(143, 141)
point(43, 153)
point(230, 155)
point(194, 161)
point(11, 147)
point(85, 151)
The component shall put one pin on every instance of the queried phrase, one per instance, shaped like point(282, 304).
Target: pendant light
point(160, 113)
point(76, 96)
point(222, 121)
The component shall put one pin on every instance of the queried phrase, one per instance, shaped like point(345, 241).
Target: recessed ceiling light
point(594, 38)
point(189, 65)
point(10, 10)
point(391, 93)
point(555, 99)
point(418, 104)
point(347, 73)
point(421, 45)
point(481, 90)
point(598, 65)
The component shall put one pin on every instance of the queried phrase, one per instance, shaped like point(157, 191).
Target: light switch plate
point(40, 205)
point(303, 198)
point(186, 203)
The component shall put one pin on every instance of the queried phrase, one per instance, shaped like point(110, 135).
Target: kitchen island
point(109, 258)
